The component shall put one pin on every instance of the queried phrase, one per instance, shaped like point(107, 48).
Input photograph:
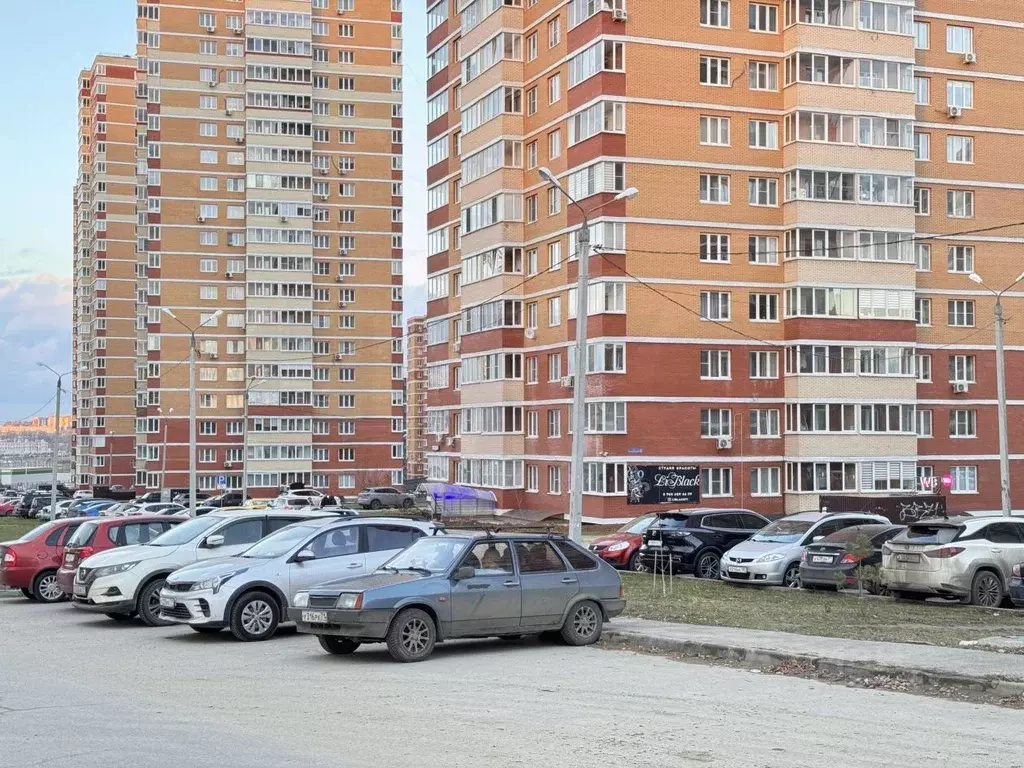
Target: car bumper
point(110, 594)
point(17, 578)
point(754, 573)
point(121, 606)
point(614, 607)
point(827, 577)
point(1016, 592)
point(943, 582)
point(66, 579)
point(681, 560)
point(199, 607)
point(362, 625)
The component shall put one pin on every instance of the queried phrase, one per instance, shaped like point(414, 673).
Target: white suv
point(126, 581)
point(250, 593)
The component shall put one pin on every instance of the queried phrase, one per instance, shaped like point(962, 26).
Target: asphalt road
point(76, 690)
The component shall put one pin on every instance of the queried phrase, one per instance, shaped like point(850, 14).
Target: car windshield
point(184, 533)
point(429, 553)
point(637, 526)
point(783, 531)
point(280, 542)
point(83, 536)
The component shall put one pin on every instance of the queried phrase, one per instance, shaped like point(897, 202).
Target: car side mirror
point(214, 541)
point(303, 555)
point(464, 572)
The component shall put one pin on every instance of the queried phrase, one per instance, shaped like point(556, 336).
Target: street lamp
point(192, 403)
point(579, 395)
point(1004, 444)
point(56, 436)
point(163, 449)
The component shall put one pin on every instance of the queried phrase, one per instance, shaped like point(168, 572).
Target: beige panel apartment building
point(269, 187)
point(785, 303)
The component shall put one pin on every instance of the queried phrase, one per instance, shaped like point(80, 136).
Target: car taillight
point(10, 559)
point(1017, 570)
point(803, 556)
point(848, 558)
point(944, 552)
point(622, 589)
point(86, 552)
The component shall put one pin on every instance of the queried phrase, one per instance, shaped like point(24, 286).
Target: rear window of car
point(670, 521)
point(929, 534)
point(84, 535)
point(854, 532)
point(577, 558)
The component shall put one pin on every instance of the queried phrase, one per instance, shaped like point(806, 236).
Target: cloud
point(22, 262)
point(35, 327)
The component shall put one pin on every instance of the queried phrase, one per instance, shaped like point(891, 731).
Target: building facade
point(415, 399)
point(266, 184)
point(786, 303)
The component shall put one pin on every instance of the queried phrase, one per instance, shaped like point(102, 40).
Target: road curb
point(761, 657)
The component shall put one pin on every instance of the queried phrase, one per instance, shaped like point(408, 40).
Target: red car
point(7, 508)
point(31, 562)
point(622, 548)
point(101, 533)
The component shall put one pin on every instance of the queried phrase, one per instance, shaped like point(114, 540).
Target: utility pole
point(579, 395)
point(1004, 440)
point(56, 438)
point(163, 451)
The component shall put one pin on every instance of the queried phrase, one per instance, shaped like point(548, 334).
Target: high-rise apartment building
point(415, 399)
point(785, 304)
point(266, 184)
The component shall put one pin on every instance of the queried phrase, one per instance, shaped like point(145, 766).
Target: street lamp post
point(1004, 442)
point(56, 437)
point(163, 448)
point(192, 403)
point(579, 384)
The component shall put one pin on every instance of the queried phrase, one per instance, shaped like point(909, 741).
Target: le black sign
point(649, 484)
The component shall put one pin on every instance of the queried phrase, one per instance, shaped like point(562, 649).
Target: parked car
point(152, 508)
point(83, 494)
point(182, 498)
point(828, 563)
point(969, 558)
point(52, 512)
point(127, 581)
point(772, 555)
point(249, 593)
point(8, 506)
point(622, 548)
point(99, 534)
point(30, 563)
point(315, 497)
point(375, 498)
point(1016, 590)
point(465, 585)
point(693, 541)
point(342, 511)
point(226, 499)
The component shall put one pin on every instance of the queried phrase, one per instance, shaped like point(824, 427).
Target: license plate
point(81, 590)
point(821, 559)
point(166, 602)
point(735, 569)
point(908, 557)
point(653, 543)
point(314, 617)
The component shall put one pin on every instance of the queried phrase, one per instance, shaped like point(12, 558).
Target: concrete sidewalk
point(980, 670)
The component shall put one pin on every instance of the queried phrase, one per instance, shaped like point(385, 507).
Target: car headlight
point(216, 582)
point(110, 570)
point(771, 557)
point(350, 601)
point(618, 546)
point(301, 600)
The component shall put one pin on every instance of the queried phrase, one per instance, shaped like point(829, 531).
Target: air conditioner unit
point(567, 381)
point(449, 441)
point(210, 29)
point(435, 447)
point(341, 11)
point(239, 140)
point(960, 387)
point(201, 219)
point(530, 333)
point(956, 111)
point(213, 355)
point(339, 356)
point(339, 279)
point(723, 443)
point(343, 171)
point(229, 465)
point(619, 14)
point(238, 30)
point(343, 251)
point(284, 219)
point(228, 112)
point(970, 58)
point(456, 346)
point(343, 304)
point(323, 171)
point(323, 197)
point(229, 275)
point(212, 83)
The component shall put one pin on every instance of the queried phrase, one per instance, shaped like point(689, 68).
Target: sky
point(39, 150)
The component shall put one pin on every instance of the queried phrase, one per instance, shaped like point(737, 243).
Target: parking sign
point(222, 481)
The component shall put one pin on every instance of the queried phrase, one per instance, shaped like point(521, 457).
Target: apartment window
point(554, 144)
point(554, 88)
point(923, 311)
point(922, 147)
point(716, 481)
point(208, 156)
point(924, 423)
point(763, 192)
point(923, 257)
point(960, 313)
point(714, 247)
point(714, 13)
point(715, 422)
point(960, 93)
point(208, 292)
point(764, 365)
point(555, 366)
point(922, 201)
point(765, 481)
point(531, 47)
point(959, 39)
point(554, 423)
point(960, 259)
point(714, 71)
point(963, 423)
point(923, 368)
point(532, 482)
point(531, 370)
point(531, 101)
point(554, 480)
point(922, 90)
point(531, 209)
point(554, 201)
point(763, 250)
point(763, 134)
point(714, 131)
point(764, 308)
point(763, 18)
point(764, 76)
point(714, 305)
point(960, 204)
point(922, 35)
point(965, 479)
point(959, 149)
point(715, 364)
point(961, 369)
point(555, 311)
point(764, 422)
point(554, 31)
point(714, 188)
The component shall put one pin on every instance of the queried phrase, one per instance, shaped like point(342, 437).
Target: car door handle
point(510, 583)
point(478, 586)
point(354, 565)
point(568, 580)
point(997, 551)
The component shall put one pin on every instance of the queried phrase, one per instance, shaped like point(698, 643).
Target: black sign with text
point(673, 484)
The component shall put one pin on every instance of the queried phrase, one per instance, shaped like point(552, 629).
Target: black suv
point(693, 541)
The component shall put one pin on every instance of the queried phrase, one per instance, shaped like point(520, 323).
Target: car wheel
point(986, 590)
point(255, 617)
point(708, 566)
point(375, 504)
point(791, 578)
point(634, 563)
point(583, 624)
point(205, 630)
point(45, 588)
point(407, 504)
point(339, 646)
point(120, 616)
point(28, 593)
point(149, 604)
point(411, 636)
